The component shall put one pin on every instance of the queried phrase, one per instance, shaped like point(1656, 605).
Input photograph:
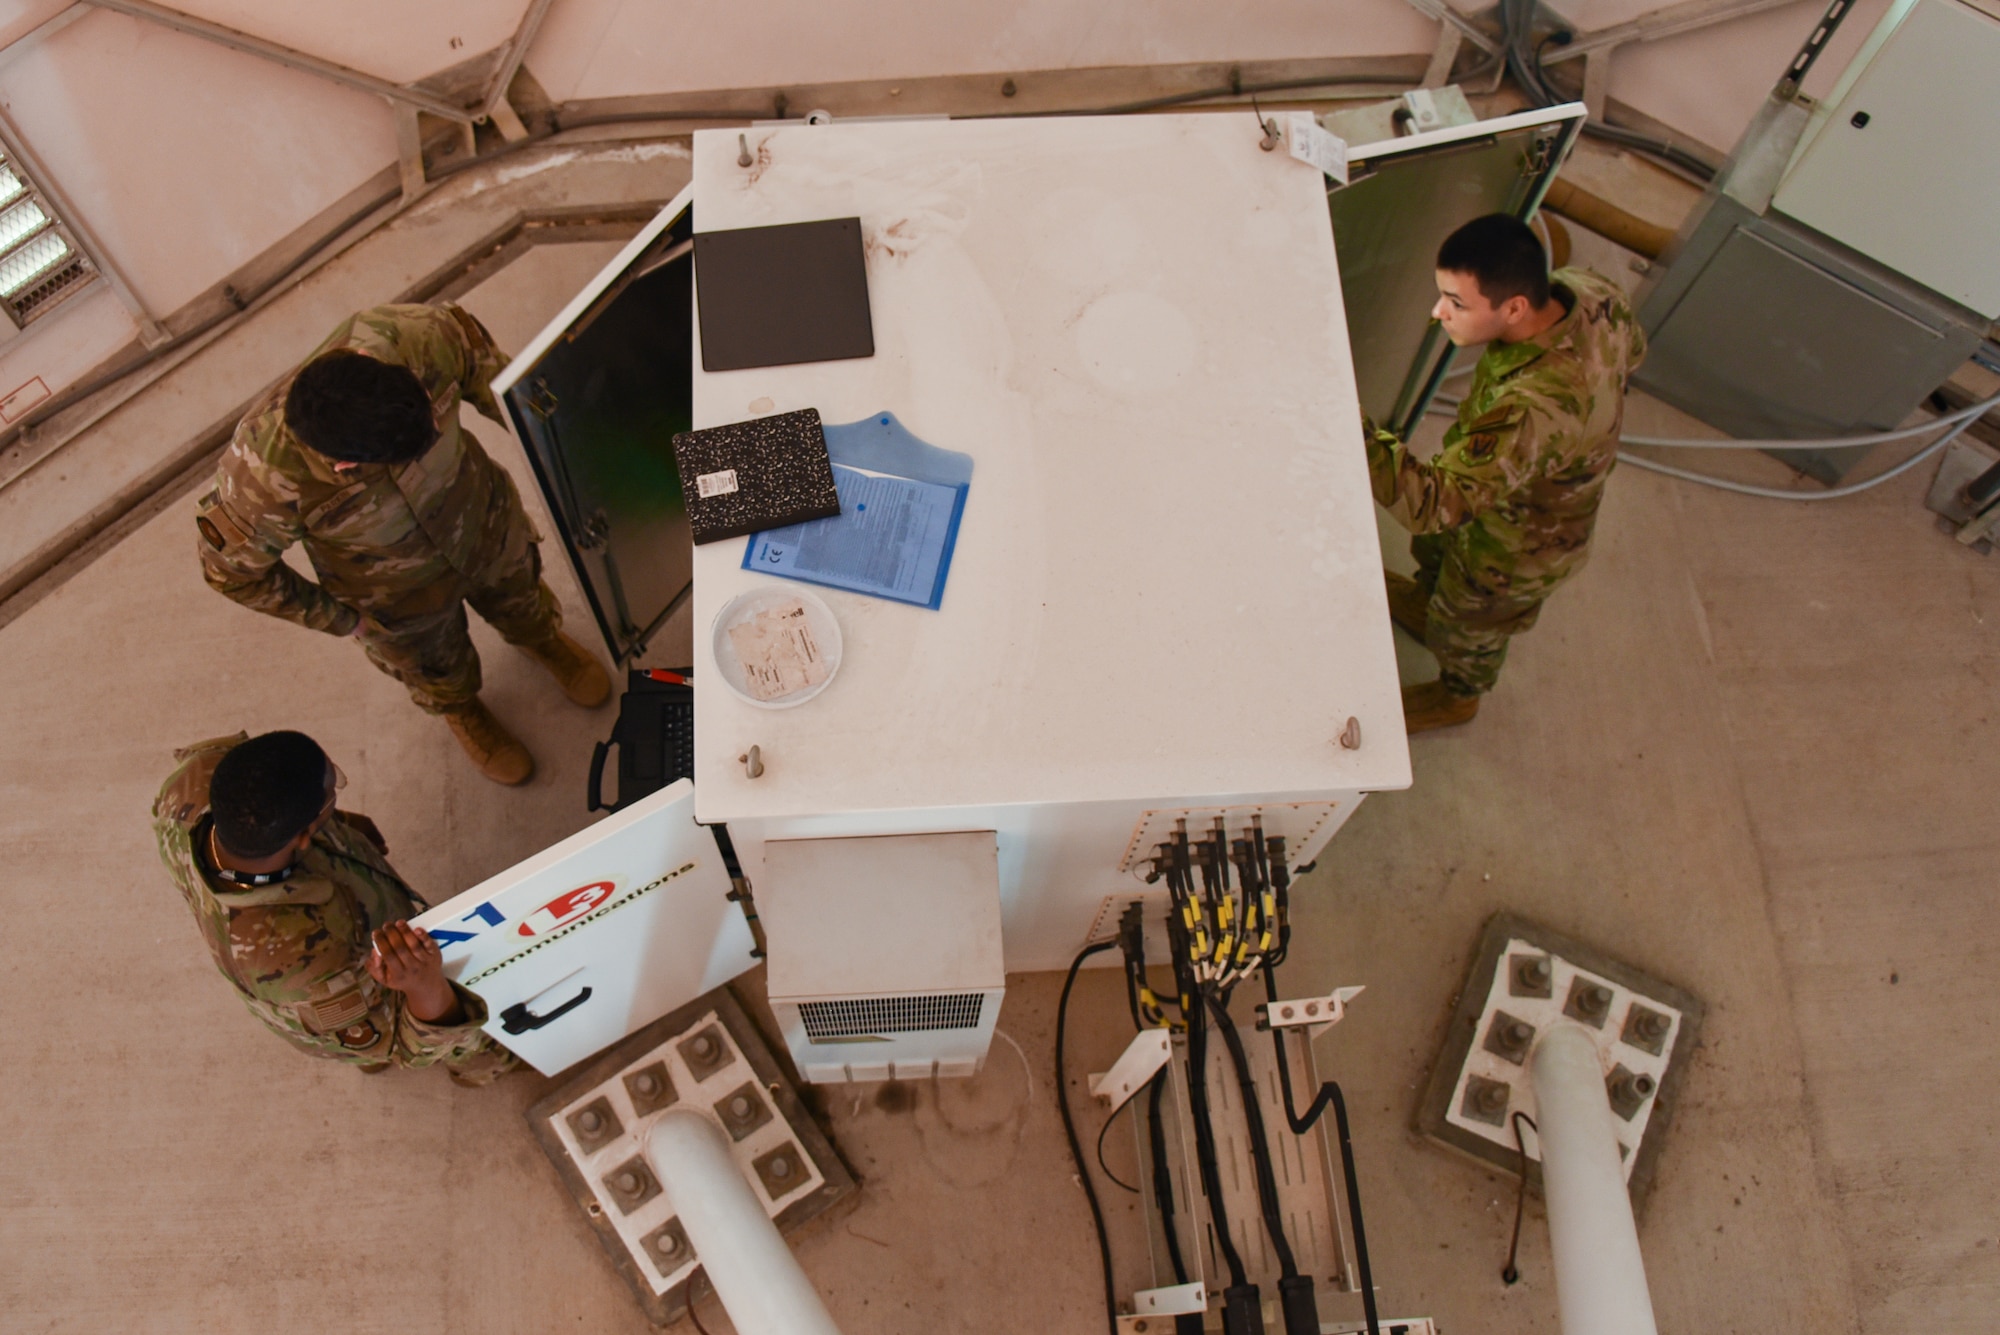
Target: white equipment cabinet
point(1166, 597)
point(1898, 161)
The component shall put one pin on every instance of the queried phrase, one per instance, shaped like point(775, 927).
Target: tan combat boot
point(1409, 605)
point(498, 753)
point(574, 667)
point(1431, 705)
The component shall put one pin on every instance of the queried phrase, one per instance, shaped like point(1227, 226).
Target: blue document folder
point(894, 535)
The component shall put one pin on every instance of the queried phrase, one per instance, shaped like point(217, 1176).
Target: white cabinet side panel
point(1915, 185)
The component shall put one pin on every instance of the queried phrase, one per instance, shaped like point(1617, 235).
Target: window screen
point(40, 264)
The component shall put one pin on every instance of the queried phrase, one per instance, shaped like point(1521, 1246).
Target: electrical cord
point(1204, 1146)
point(692, 1314)
point(1449, 407)
point(1260, 1145)
point(1163, 1177)
point(1524, 61)
point(1104, 1167)
point(1329, 1097)
point(1069, 1131)
point(1237, 89)
point(1782, 494)
point(1958, 421)
point(1510, 1273)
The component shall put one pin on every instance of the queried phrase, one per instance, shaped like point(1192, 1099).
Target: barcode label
point(716, 484)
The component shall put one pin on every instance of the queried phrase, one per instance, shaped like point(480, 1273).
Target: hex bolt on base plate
point(1529, 976)
point(705, 1052)
point(650, 1088)
point(1486, 1100)
point(1526, 977)
point(743, 1110)
point(595, 1125)
point(668, 1248)
point(1509, 1037)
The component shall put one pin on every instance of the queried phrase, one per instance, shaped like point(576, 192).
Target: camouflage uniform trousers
point(433, 654)
point(1473, 611)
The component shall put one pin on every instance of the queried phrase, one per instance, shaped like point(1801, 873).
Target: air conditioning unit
point(884, 953)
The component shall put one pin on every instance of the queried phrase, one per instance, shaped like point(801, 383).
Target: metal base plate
point(1646, 1027)
point(709, 1057)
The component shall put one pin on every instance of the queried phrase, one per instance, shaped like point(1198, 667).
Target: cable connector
point(1242, 1312)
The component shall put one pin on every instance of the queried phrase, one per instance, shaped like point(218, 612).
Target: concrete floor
point(1749, 751)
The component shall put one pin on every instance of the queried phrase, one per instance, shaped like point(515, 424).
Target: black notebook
point(765, 473)
point(776, 296)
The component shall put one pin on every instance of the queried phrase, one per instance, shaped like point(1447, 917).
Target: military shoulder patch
point(217, 526)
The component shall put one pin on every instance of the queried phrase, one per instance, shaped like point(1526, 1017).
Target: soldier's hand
point(407, 960)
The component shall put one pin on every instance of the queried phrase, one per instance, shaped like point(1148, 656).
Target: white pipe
point(1600, 1276)
point(754, 1273)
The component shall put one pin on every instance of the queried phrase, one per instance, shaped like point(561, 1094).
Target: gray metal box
point(1766, 330)
point(1795, 301)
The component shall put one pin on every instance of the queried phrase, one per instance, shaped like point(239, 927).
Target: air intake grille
point(46, 292)
point(890, 1015)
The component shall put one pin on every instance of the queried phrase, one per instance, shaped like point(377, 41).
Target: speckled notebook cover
point(748, 476)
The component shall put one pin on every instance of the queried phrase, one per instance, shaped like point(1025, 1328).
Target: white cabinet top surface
point(1167, 581)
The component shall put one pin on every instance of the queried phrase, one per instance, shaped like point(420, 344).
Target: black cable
point(1281, 887)
point(1069, 1130)
point(1260, 1144)
point(1204, 1142)
point(1300, 1123)
point(1132, 994)
point(1511, 1273)
point(1104, 1167)
point(1524, 62)
point(1672, 154)
point(1163, 1176)
point(1225, 90)
point(692, 1316)
point(1329, 1096)
point(1354, 1207)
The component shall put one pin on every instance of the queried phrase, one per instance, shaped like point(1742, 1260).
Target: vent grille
point(51, 289)
point(40, 261)
point(855, 1016)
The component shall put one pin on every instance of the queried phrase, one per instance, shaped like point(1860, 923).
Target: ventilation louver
point(856, 1016)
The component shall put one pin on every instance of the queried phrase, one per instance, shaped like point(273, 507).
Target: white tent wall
point(188, 160)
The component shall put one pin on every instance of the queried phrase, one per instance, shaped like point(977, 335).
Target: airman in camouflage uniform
point(296, 950)
point(399, 548)
point(1503, 514)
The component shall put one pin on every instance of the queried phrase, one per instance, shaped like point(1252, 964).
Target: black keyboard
point(654, 736)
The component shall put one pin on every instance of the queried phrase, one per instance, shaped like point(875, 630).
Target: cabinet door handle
point(518, 1019)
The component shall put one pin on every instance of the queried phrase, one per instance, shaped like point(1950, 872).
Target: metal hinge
point(540, 401)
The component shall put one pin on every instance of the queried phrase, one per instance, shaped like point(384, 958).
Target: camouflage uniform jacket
point(1520, 474)
point(294, 950)
point(385, 539)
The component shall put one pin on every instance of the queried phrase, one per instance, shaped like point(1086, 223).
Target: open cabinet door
point(600, 935)
point(1402, 199)
point(596, 399)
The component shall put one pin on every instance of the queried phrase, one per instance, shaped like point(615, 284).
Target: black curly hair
point(351, 407)
point(267, 792)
